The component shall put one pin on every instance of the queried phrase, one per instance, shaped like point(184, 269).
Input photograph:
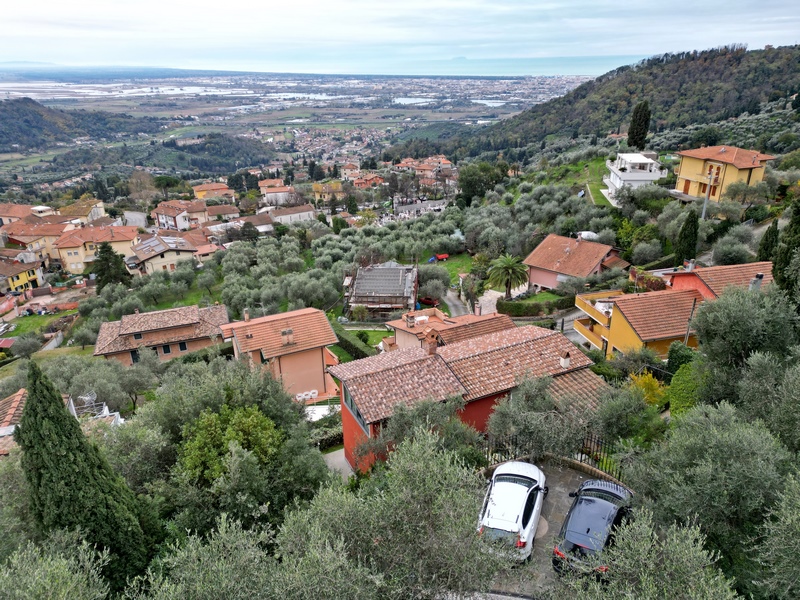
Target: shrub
point(681, 395)
point(349, 342)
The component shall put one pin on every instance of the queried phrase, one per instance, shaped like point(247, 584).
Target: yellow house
point(325, 191)
point(85, 210)
point(718, 167)
point(18, 277)
point(38, 238)
point(619, 323)
point(77, 248)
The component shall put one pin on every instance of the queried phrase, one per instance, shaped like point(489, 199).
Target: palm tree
point(507, 271)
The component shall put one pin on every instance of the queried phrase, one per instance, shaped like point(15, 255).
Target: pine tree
point(789, 242)
point(640, 125)
point(769, 242)
point(71, 484)
point(686, 246)
point(110, 267)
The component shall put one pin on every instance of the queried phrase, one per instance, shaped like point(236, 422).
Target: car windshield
point(603, 495)
point(576, 549)
point(516, 479)
point(499, 535)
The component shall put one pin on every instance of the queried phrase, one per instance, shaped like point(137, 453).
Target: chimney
point(755, 282)
point(410, 320)
point(246, 314)
point(136, 311)
point(287, 337)
point(564, 360)
point(690, 266)
point(431, 341)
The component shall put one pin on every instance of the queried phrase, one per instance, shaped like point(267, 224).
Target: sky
point(414, 37)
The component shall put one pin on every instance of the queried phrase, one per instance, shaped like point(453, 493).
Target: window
point(183, 347)
point(172, 267)
point(162, 255)
point(348, 400)
point(165, 349)
point(134, 356)
point(137, 336)
point(163, 267)
point(91, 246)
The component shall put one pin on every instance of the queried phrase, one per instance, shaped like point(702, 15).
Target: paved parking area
point(536, 576)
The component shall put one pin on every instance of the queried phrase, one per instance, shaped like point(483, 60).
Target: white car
point(513, 504)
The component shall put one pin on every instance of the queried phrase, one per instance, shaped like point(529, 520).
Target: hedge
point(349, 342)
point(533, 309)
point(327, 437)
point(662, 263)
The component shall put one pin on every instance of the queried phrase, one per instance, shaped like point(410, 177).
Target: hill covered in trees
point(25, 124)
point(682, 89)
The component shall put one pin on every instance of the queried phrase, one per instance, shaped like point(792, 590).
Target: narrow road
point(457, 307)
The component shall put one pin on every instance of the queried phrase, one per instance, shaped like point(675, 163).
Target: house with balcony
point(617, 323)
point(18, 277)
point(169, 333)
point(480, 370)
point(709, 171)
point(77, 248)
point(292, 346)
point(559, 258)
point(180, 214)
point(632, 170)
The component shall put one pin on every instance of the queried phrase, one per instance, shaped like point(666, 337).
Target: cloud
point(363, 34)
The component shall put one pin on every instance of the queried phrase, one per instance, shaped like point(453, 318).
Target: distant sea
point(455, 67)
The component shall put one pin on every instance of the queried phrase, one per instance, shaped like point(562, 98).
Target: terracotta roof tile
point(16, 211)
point(210, 187)
point(404, 377)
point(173, 208)
point(582, 386)
point(97, 235)
point(718, 278)
point(452, 329)
point(480, 367)
point(175, 325)
point(739, 158)
point(493, 363)
point(9, 269)
point(11, 408)
point(658, 315)
point(37, 230)
point(310, 329)
point(567, 256)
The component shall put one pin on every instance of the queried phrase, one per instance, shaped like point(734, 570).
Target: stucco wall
point(303, 371)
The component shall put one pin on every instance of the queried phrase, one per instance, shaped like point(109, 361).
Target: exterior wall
point(294, 218)
point(73, 260)
point(476, 413)
point(695, 172)
point(621, 335)
point(661, 347)
point(542, 278)
point(404, 339)
point(352, 435)
point(168, 263)
point(275, 198)
point(302, 371)
point(25, 280)
point(191, 346)
point(692, 282)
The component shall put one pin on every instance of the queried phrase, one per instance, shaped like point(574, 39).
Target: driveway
point(537, 576)
point(455, 304)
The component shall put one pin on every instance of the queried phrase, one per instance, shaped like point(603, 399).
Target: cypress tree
point(110, 267)
point(789, 241)
point(769, 242)
point(640, 125)
point(71, 484)
point(686, 246)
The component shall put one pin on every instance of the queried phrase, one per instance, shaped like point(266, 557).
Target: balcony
point(591, 331)
point(630, 172)
point(598, 305)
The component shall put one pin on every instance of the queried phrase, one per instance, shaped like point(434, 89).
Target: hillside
point(26, 124)
point(683, 89)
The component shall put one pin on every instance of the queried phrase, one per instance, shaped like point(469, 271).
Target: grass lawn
point(333, 449)
point(457, 263)
point(26, 324)
point(542, 297)
point(46, 355)
point(193, 296)
point(375, 335)
point(342, 354)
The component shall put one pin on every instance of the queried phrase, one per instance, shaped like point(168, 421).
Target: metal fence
point(593, 451)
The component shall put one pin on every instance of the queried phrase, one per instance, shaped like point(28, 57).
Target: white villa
point(634, 170)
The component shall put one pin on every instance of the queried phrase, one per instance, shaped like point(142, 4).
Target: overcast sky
point(379, 36)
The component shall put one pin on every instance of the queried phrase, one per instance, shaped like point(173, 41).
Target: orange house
point(712, 281)
point(481, 370)
point(293, 346)
point(169, 333)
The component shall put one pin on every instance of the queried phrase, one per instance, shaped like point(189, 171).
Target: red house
point(712, 281)
point(481, 370)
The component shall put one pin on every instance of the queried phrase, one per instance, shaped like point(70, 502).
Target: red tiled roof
point(16, 211)
point(173, 208)
point(11, 408)
point(222, 209)
point(176, 325)
point(282, 189)
point(310, 329)
point(210, 187)
point(453, 329)
point(718, 278)
point(81, 208)
point(9, 269)
point(659, 315)
point(19, 228)
point(476, 368)
point(615, 262)
point(380, 383)
point(292, 210)
point(269, 183)
point(97, 235)
point(739, 158)
point(494, 363)
point(582, 386)
point(567, 256)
